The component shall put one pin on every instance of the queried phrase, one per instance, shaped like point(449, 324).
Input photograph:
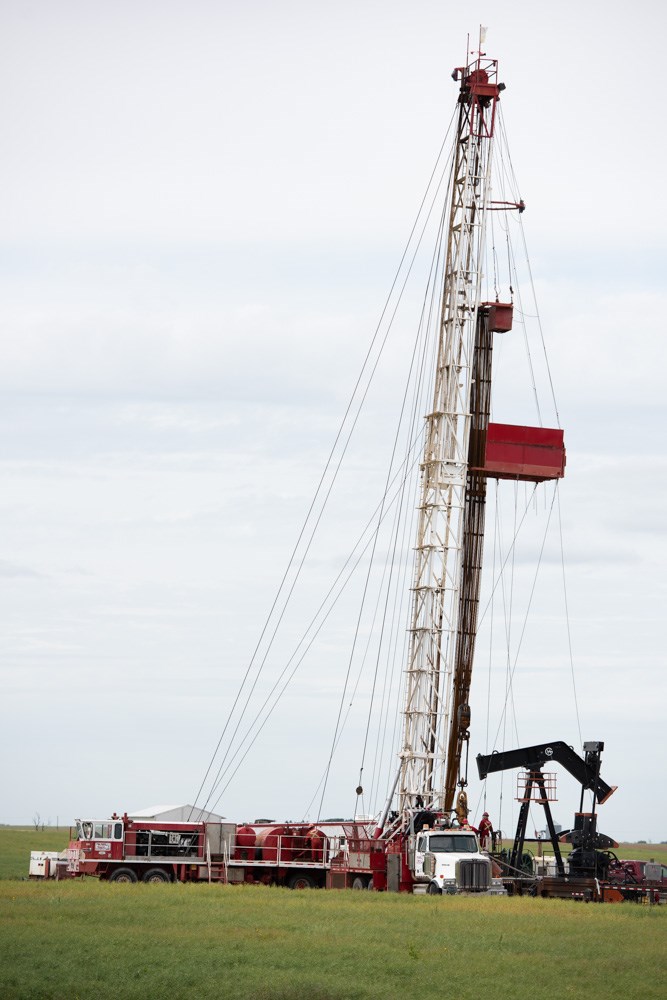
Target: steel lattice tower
point(435, 620)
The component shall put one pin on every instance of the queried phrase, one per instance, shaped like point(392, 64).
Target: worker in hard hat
point(485, 830)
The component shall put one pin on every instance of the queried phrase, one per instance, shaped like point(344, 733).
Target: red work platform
point(528, 453)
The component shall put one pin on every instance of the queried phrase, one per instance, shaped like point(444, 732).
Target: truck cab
point(96, 841)
point(449, 860)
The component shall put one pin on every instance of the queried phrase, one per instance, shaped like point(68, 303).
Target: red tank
point(245, 844)
point(316, 841)
point(280, 844)
point(274, 839)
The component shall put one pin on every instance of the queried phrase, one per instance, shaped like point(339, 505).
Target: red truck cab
point(96, 841)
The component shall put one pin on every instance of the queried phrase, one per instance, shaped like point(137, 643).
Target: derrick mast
point(430, 686)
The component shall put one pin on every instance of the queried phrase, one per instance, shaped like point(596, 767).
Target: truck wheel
point(434, 890)
point(359, 882)
point(302, 882)
point(156, 875)
point(123, 875)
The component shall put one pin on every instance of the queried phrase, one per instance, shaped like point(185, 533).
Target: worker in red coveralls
point(485, 831)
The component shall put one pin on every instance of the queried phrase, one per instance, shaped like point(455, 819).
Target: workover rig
point(421, 841)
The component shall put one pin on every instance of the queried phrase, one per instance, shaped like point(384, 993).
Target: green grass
point(84, 938)
point(643, 852)
point(16, 843)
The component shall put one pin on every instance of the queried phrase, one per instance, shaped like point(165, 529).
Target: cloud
point(16, 571)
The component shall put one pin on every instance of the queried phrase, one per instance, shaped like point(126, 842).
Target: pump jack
point(585, 859)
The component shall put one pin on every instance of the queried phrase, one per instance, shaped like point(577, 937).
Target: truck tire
point(359, 882)
point(123, 875)
point(434, 890)
point(301, 881)
point(156, 875)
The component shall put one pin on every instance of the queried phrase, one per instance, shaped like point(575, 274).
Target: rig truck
point(432, 857)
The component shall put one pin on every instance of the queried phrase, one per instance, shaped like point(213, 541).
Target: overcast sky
point(203, 207)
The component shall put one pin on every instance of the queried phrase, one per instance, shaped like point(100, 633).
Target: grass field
point(84, 938)
point(16, 843)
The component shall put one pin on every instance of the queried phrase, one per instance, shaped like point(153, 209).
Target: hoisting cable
point(504, 147)
point(380, 517)
point(522, 314)
point(371, 705)
point(488, 686)
point(328, 463)
point(567, 617)
point(334, 741)
point(508, 626)
point(222, 773)
point(525, 620)
point(539, 323)
point(408, 531)
point(494, 258)
point(499, 580)
point(507, 556)
point(497, 549)
point(354, 423)
point(407, 463)
point(390, 562)
point(390, 673)
point(249, 734)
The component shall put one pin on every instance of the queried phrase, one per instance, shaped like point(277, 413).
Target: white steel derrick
point(438, 553)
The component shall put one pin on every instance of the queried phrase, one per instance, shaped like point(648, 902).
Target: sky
point(203, 208)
